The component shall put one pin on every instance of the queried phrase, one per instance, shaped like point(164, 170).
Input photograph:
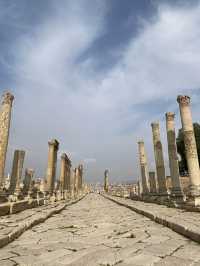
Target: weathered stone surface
point(180, 221)
point(19, 206)
point(98, 232)
point(5, 118)
point(4, 209)
point(12, 226)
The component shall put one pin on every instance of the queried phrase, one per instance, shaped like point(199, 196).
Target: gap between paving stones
point(178, 226)
point(28, 223)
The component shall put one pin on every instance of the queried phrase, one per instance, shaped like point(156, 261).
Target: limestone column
point(29, 173)
point(68, 176)
point(172, 153)
point(143, 167)
point(63, 172)
point(80, 181)
point(16, 174)
point(5, 118)
point(51, 167)
point(106, 184)
point(159, 160)
point(190, 149)
point(152, 182)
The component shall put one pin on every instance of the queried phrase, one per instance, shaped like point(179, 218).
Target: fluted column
point(159, 159)
point(52, 162)
point(5, 118)
point(172, 153)
point(190, 149)
point(152, 182)
point(143, 167)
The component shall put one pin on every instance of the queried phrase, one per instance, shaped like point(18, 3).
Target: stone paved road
point(96, 231)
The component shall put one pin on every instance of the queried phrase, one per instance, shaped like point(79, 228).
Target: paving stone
point(98, 232)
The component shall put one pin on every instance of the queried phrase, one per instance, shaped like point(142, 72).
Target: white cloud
point(60, 96)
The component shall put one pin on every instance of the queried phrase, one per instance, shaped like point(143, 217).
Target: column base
point(3, 196)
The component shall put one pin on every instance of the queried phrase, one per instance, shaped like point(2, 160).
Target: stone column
point(159, 160)
point(80, 175)
point(106, 184)
point(16, 175)
point(143, 167)
point(29, 173)
point(63, 172)
point(173, 157)
point(52, 162)
point(5, 117)
point(190, 149)
point(152, 182)
point(68, 176)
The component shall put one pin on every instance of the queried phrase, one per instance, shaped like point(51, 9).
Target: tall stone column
point(152, 182)
point(106, 184)
point(5, 118)
point(173, 157)
point(159, 160)
point(63, 172)
point(51, 167)
point(80, 180)
point(16, 175)
point(190, 149)
point(68, 176)
point(143, 167)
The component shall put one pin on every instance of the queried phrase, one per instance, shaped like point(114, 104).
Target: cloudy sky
point(94, 74)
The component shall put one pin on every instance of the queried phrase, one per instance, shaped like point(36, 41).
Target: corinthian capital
point(183, 100)
point(170, 116)
point(7, 98)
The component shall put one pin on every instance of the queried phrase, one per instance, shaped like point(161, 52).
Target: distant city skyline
point(94, 75)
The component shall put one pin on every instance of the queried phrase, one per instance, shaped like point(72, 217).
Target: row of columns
point(157, 186)
point(69, 181)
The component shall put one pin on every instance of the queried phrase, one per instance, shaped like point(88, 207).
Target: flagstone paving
point(96, 231)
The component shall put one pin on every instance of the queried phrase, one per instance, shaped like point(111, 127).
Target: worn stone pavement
point(96, 231)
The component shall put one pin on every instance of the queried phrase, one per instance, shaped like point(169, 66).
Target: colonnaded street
point(96, 231)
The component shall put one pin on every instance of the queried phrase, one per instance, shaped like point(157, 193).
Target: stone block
point(4, 209)
point(32, 203)
point(40, 202)
point(19, 206)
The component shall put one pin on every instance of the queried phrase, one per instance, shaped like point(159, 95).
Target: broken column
point(191, 150)
point(51, 167)
point(5, 118)
point(29, 173)
point(16, 175)
point(106, 184)
point(152, 182)
point(143, 168)
point(159, 159)
point(176, 191)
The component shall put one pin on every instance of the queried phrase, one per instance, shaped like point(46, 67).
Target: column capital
point(169, 116)
point(183, 100)
point(64, 156)
point(55, 143)
point(155, 125)
point(7, 98)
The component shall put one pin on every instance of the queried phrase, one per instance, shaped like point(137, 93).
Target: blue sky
point(94, 74)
